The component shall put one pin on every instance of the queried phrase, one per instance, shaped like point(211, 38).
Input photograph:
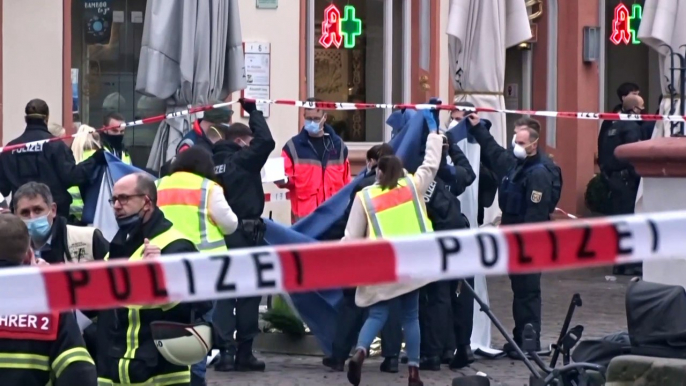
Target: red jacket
point(311, 180)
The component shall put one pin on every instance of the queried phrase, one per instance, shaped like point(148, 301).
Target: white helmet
point(182, 344)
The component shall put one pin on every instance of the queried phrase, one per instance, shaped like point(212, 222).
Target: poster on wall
point(257, 73)
point(97, 17)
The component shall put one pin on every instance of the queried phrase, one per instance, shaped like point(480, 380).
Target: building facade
point(83, 66)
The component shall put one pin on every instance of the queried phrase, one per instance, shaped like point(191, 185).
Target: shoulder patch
point(536, 196)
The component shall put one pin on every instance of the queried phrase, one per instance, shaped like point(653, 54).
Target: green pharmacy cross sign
point(337, 30)
point(625, 24)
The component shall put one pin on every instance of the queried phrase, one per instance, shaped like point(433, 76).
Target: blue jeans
point(409, 314)
point(200, 368)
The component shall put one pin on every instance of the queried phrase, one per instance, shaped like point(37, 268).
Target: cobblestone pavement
point(602, 313)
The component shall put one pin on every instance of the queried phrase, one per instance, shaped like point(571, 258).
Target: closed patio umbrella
point(479, 33)
point(662, 25)
point(191, 54)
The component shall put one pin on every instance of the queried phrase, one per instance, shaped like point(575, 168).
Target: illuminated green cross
point(351, 27)
point(635, 22)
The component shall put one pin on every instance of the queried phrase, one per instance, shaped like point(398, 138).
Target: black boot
point(389, 365)
point(197, 381)
point(334, 364)
point(226, 362)
point(447, 357)
point(249, 363)
point(462, 358)
point(430, 363)
point(355, 367)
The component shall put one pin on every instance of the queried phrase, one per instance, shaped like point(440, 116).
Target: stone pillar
point(662, 164)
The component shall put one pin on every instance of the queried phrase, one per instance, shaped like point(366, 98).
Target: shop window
point(349, 63)
point(106, 44)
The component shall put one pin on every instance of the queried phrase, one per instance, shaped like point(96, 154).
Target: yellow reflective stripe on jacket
point(184, 200)
point(76, 354)
point(24, 361)
point(395, 212)
point(180, 377)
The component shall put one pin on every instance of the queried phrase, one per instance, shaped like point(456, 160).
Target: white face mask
point(453, 123)
point(519, 151)
point(513, 139)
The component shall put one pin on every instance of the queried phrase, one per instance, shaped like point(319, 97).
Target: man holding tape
point(36, 350)
point(525, 196)
point(128, 354)
point(239, 159)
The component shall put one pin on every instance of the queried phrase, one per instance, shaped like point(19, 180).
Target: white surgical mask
point(453, 123)
point(513, 139)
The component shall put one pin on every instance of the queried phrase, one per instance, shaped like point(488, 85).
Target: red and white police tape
point(275, 197)
point(296, 268)
point(34, 146)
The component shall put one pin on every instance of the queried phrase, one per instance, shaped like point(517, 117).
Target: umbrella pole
point(487, 310)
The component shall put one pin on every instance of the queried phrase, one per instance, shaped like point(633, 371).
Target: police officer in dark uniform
point(436, 318)
point(239, 159)
point(37, 350)
point(51, 163)
point(619, 175)
point(525, 196)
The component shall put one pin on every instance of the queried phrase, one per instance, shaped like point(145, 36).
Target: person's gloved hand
point(435, 101)
point(248, 106)
point(99, 157)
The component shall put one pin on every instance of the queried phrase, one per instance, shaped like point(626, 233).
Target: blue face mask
point(312, 127)
point(39, 228)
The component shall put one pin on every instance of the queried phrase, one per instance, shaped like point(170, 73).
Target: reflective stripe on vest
point(184, 200)
point(395, 212)
point(125, 158)
point(134, 312)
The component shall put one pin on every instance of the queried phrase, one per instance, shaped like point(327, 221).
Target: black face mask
point(113, 140)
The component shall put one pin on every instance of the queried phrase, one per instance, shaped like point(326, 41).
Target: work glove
point(248, 106)
point(99, 157)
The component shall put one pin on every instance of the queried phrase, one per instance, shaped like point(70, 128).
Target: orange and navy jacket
point(312, 180)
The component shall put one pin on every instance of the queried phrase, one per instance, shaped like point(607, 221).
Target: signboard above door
point(340, 29)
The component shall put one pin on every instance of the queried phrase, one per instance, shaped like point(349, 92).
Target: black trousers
point(623, 191)
point(434, 318)
point(350, 321)
point(461, 316)
point(244, 322)
point(526, 304)
point(237, 315)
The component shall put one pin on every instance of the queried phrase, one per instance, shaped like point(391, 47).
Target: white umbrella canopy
point(191, 54)
point(662, 25)
point(479, 32)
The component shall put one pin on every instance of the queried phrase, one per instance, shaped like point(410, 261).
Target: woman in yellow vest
point(84, 145)
point(194, 203)
point(393, 207)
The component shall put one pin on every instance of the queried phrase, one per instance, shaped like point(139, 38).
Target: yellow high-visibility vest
point(134, 322)
point(395, 212)
point(184, 200)
point(76, 207)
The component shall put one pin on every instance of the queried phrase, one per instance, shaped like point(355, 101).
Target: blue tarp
point(317, 309)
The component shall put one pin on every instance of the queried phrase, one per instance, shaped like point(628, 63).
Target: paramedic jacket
point(37, 350)
point(526, 188)
point(51, 163)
